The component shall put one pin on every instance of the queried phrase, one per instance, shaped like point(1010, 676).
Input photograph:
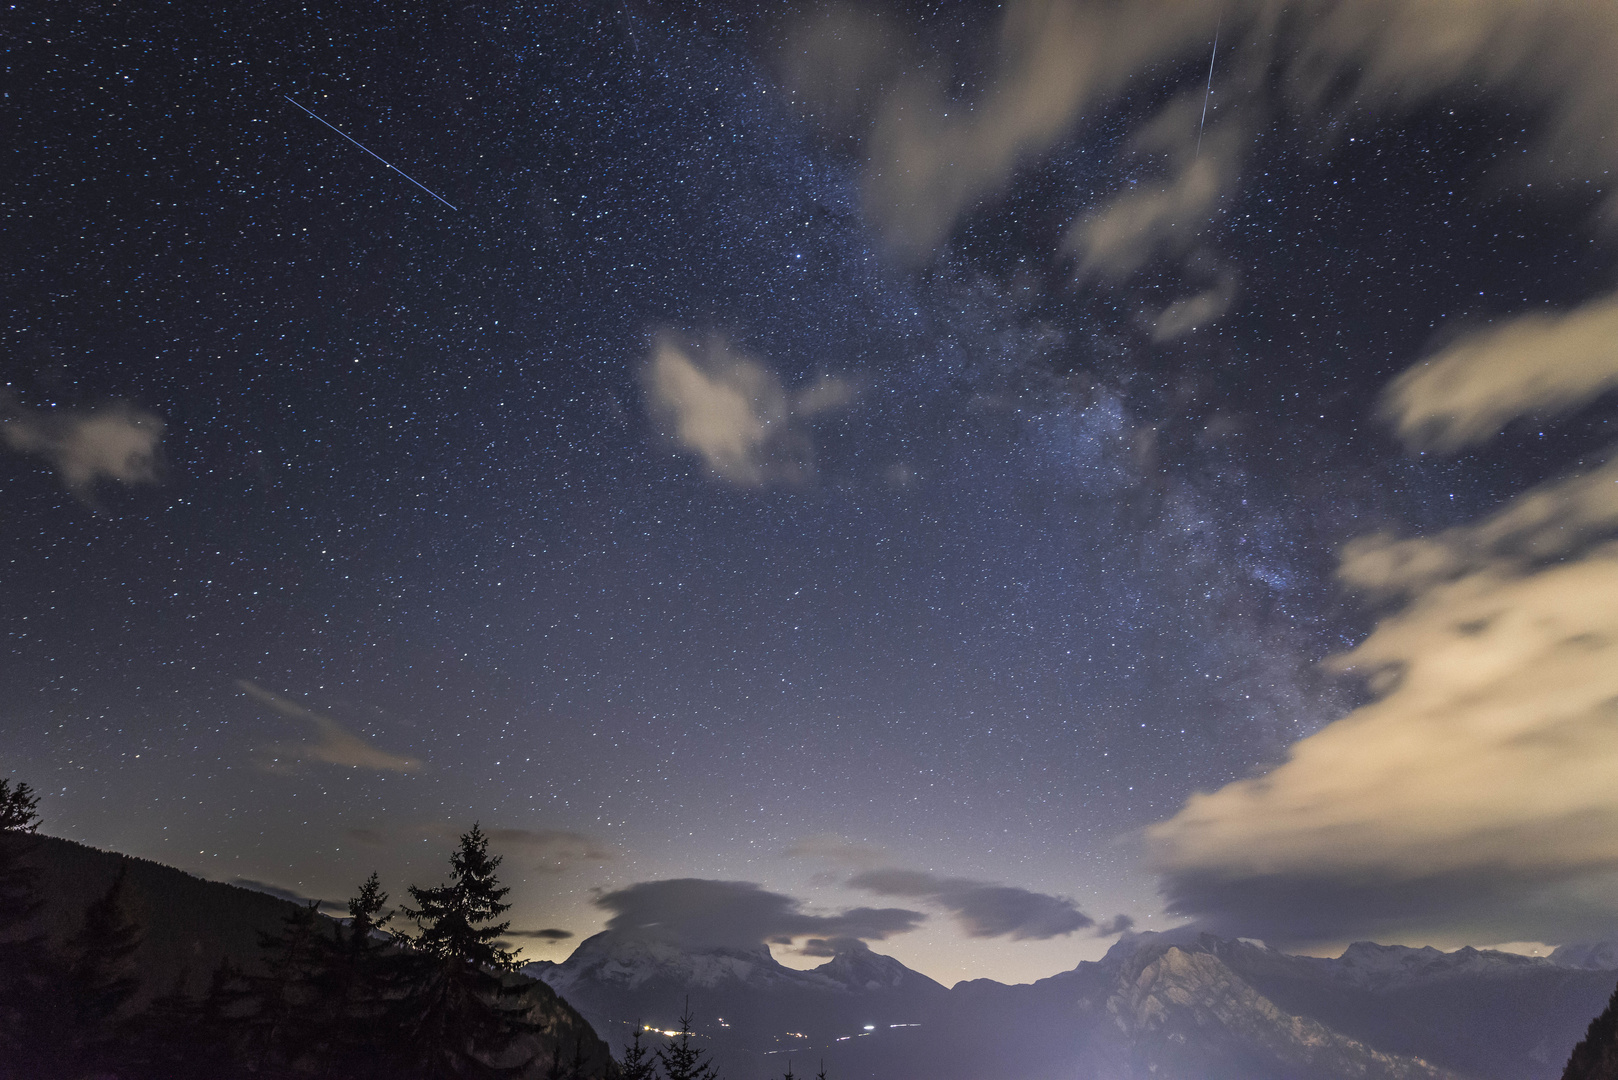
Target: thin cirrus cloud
point(332, 744)
point(981, 908)
point(113, 441)
point(1123, 234)
point(702, 912)
point(1474, 797)
point(1183, 316)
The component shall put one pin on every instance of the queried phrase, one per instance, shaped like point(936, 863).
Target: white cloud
point(1533, 364)
point(735, 414)
point(114, 441)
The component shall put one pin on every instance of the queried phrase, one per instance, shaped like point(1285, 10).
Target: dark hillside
point(188, 924)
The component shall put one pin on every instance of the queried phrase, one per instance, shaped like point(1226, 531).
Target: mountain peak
point(861, 969)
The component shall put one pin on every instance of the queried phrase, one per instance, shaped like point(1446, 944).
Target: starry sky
point(895, 458)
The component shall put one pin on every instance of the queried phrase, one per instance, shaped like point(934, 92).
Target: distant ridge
point(1172, 1006)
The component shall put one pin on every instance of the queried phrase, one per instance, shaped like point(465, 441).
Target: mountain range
point(1172, 1006)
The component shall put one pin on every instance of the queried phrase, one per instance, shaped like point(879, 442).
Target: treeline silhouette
point(325, 998)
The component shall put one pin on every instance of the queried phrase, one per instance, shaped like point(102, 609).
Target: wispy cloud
point(1169, 216)
point(332, 743)
point(981, 908)
point(734, 413)
point(1183, 316)
point(113, 441)
point(838, 850)
point(1118, 924)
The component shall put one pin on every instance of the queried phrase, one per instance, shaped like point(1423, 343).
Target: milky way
point(425, 543)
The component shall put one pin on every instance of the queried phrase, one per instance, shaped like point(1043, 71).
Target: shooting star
point(1209, 93)
point(379, 157)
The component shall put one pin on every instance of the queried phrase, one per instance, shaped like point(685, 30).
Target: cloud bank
point(1475, 797)
point(1534, 364)
point(115, 441)
point(935, 149)
point(982, 909)
point(333, 744)
point(735, 414)
point(705, 913)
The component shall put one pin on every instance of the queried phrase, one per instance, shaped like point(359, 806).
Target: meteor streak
point(1206, 95)
point(378, 156)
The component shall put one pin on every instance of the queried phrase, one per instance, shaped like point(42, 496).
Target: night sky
point(797, 448)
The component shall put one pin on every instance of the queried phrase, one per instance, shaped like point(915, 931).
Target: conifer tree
point(682, 1061)
point(1596, 1055)
point(103, 953)
point(457, 920)
point(461, 1014)
point(25, 971)
point(19, 808)
point(638, 1062)
point(19, 817)
point(101, 973)
point(286, 998)
point(364, 989)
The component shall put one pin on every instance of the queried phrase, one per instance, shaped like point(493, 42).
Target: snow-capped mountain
point(1175, 1006)
point(1590, 956)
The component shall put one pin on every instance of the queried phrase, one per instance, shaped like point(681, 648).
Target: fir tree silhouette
point(286, 999)
point(638, 1062)
point(461, 1014)
point(26, 973)
point(363, 988)
point(1596, 1056)
point(682, 1061)
point(101, 975)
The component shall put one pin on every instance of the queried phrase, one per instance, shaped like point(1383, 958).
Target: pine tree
point(25, 970)
point(461, 1014)
point(638, 1062)
point(682, 1061)
point(286, 998)
point(19, 884)
point(19, 808)
point(1596, 1055)
point(364, 987)
point(101, 973)
point(366, 913)
point(103, 952)
point(457, 920)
